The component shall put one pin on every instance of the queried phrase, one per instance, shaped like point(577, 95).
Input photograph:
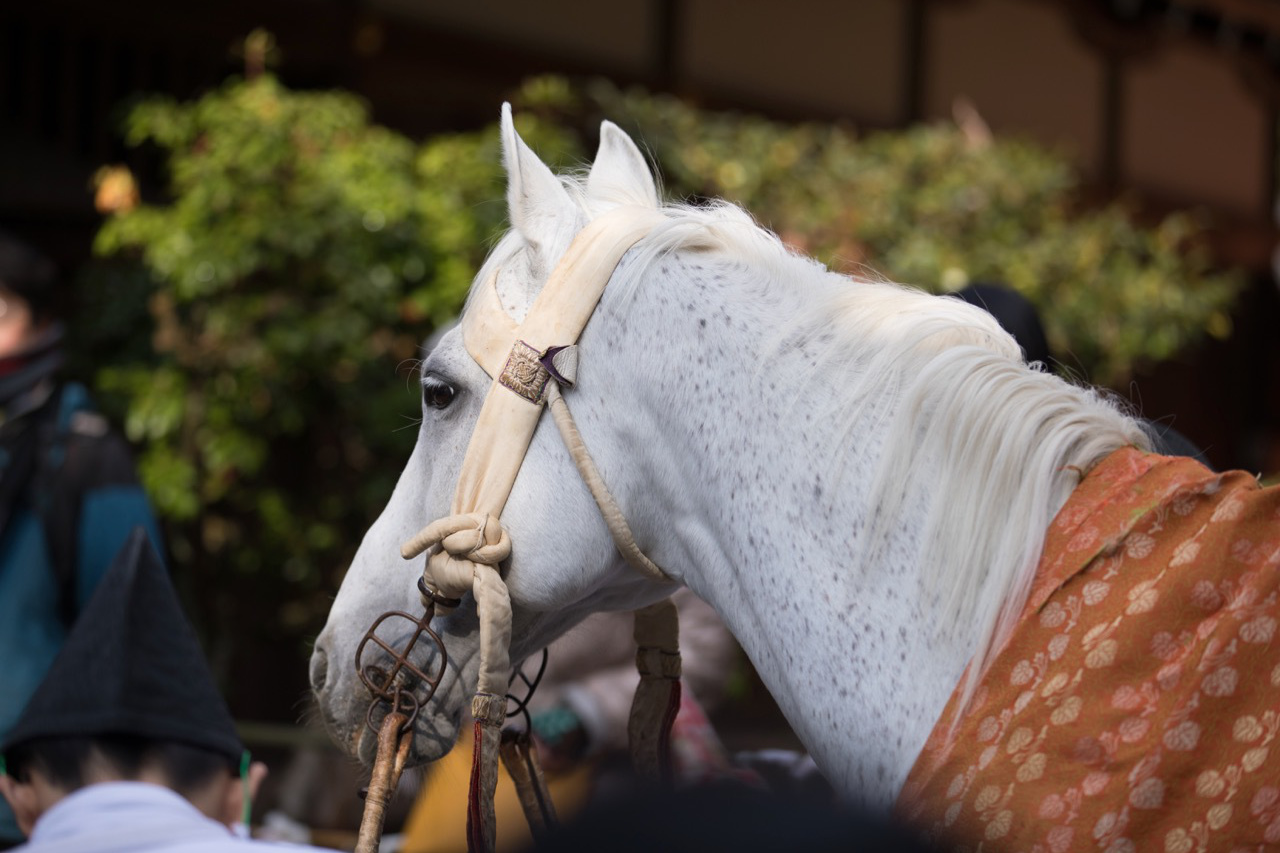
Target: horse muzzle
point(420, 679)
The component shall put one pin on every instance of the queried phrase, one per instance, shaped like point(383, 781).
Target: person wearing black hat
point(1018, 316)
point(127, 744)
point(69, 494)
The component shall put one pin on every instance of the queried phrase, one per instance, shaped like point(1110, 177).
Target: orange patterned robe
point(1137, 705)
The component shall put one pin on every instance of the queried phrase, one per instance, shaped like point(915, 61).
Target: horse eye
point(436, 393)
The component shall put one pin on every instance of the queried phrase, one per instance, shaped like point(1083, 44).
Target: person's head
point(130, 697)
point(1015, 313)
point(40, 772)
point(27, 283)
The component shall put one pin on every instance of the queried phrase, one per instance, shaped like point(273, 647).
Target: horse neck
point(809, 523)
point(742, 497)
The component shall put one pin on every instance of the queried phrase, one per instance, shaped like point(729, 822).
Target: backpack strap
point(81, 454)
point(19, 448)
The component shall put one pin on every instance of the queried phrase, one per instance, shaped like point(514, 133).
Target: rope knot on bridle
point(466, 543)
point(467, 550)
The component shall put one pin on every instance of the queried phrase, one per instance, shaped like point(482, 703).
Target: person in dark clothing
point(126, 745)
point(1018, 316)
point(69, 494)
point(727, 817)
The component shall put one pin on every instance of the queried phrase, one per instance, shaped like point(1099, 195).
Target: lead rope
point(657, 627)
point(470, 548)
point(521, 760)
point(609, 509)
point(464, 548)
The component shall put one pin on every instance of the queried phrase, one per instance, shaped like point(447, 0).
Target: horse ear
point(537, 204)
point(620, 174)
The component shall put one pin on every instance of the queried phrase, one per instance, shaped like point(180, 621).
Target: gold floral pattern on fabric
point(1137, 705)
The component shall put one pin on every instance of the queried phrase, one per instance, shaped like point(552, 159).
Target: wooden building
point(1172, 100)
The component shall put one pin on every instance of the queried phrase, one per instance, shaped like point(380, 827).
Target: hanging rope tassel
point(489, 711)
point(657, 699)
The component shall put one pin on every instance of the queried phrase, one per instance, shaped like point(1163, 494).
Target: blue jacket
point(108, 504)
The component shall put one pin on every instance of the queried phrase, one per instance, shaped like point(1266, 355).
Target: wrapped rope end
point(490, 712)
point(489, 708)
point(657, 699)
point(653, 713)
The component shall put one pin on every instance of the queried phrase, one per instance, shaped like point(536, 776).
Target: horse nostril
point(319, 669)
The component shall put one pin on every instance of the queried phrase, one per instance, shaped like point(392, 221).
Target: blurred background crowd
point(259, 210)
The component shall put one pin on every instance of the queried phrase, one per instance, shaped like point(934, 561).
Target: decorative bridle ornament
point(530, 362)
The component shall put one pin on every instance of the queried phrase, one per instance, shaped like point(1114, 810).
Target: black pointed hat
point(131, 665)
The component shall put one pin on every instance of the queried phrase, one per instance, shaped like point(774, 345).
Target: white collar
point(129, 808)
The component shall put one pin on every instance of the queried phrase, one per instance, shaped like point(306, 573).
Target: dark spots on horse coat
point(711, 368)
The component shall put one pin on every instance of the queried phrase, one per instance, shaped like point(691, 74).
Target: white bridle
point(529, 361)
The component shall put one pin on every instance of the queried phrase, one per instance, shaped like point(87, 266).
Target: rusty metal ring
point(412, 715)
point(412, 699)
point(430, 597)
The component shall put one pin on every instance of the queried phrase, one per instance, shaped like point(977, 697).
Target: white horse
point(856, 475)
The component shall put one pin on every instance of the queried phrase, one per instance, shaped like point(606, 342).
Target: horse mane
point(995, 446)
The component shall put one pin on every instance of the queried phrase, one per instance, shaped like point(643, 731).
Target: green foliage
point(301, 253)
point(937, 207)
point(299, 257)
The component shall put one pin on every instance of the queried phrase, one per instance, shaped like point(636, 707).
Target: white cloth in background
point(136, 817)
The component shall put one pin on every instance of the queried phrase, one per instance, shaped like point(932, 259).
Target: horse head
point(563, 563)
